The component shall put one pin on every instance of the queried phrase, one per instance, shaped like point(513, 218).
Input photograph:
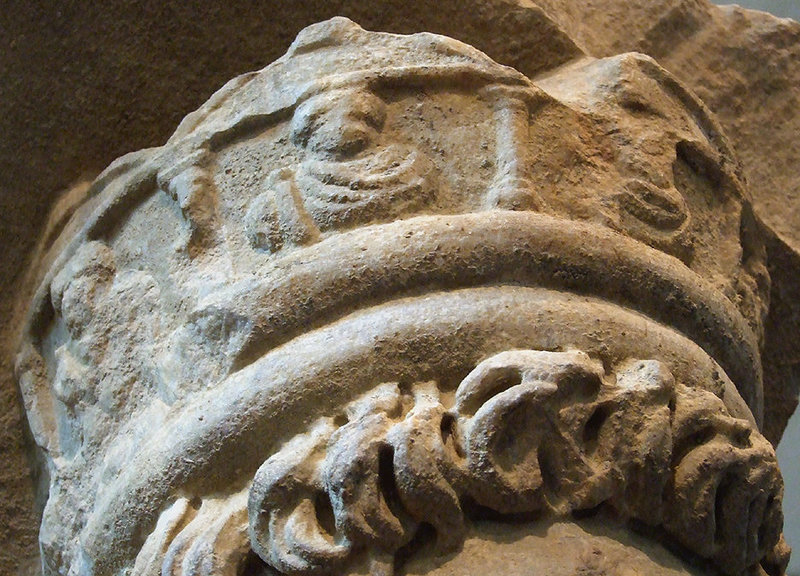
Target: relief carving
point(528, 432)
point(386, 292)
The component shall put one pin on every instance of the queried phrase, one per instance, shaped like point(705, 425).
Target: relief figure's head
point(375, 301)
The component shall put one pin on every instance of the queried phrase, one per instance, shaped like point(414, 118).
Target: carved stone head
point(386, 306)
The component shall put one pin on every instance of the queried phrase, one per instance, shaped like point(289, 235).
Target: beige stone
point(377, 299)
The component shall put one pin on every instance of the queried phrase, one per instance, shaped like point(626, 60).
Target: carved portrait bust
point(389, 307)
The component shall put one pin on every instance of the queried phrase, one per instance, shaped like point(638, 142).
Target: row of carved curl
point(528, 432)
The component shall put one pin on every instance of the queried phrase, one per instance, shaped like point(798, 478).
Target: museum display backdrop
point(387, 306)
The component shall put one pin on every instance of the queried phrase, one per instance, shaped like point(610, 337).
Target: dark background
point(82, 83)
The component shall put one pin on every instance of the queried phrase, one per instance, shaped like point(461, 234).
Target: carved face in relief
point(386, 294)
point(346, 176)
point(340, 123)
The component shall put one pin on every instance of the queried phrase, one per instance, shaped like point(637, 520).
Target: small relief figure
point(353, 167)
point(348, 175)
point(276, 217)
point(190, 184)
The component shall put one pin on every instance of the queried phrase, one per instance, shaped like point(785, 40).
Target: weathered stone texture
point(358, 203)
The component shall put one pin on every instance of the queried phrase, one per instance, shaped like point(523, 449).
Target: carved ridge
point(529, 432)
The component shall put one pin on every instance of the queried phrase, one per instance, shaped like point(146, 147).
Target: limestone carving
point(385, 293)
point(528, 431)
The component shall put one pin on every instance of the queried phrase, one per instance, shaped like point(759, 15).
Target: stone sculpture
point(385, 295)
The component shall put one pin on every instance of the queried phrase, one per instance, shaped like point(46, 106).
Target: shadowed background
point(83, 83)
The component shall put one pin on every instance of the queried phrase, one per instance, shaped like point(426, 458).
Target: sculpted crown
point(387, 284)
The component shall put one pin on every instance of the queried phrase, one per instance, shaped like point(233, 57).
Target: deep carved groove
point(324, 513)
point(449, 433)
point(591, 430)
point(252, 565)
point(387, 482)
point(548, 469)
point(697, 438)
point(424, 537)
point(720, 498)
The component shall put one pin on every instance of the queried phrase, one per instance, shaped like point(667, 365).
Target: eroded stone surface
point(525, 432)
point(596, 546)
point(385, 287)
